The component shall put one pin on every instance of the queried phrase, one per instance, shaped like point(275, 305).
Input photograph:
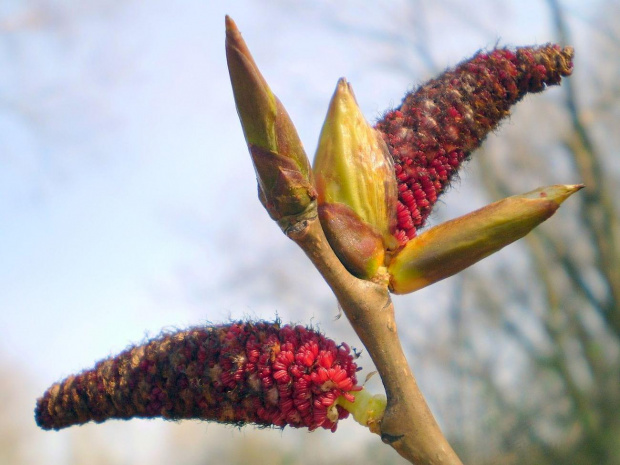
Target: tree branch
point(408, 424)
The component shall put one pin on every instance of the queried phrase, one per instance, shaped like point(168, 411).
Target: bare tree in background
point(570, 332)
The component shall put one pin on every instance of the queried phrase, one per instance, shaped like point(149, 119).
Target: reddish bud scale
point(236, 373)
point(436, 127)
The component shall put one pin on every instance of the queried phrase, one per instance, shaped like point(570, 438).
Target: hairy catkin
point(437, 126)
point(238, 373)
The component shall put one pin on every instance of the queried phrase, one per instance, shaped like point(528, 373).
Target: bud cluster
point(374, 188)
point(238, 373)
point(439, 125)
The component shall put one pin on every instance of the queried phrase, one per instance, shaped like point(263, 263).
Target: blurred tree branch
point(598, 213)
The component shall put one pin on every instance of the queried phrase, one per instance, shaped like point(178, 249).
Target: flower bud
point(437, 127)
point(352, 165)
point(454, 245)
point(282, 167)
point(238, 373)
point(356, 186)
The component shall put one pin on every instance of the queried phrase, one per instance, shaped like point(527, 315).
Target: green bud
point(455, 245)
point(282, 167)
point(356, 187)
point(352, 165)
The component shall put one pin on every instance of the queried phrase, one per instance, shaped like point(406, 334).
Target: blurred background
point(128, 204)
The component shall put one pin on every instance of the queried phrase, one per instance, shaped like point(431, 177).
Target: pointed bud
point(454, 245)
point(356, 186)
point(282, 167)
point(239, 373)
point(352, 165)
point(437, 127)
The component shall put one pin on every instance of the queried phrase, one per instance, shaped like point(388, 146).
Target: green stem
point(367, 409)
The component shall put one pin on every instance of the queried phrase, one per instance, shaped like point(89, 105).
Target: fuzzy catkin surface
point(238, 373)
point(437, 127)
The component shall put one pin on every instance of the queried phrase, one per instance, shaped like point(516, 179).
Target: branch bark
point(408, 424)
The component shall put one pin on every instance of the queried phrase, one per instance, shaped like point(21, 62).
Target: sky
point(127, 198)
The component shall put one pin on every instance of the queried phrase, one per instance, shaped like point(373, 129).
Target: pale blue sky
point(124, 170)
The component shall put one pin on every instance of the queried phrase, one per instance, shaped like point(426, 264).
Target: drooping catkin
point(237, 373)
point(440, 124)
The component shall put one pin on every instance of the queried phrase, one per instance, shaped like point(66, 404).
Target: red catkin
point(437, 127)
point(238, 373)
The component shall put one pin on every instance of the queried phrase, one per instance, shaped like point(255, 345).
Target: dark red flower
point(439, 125)
point(238, 373)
